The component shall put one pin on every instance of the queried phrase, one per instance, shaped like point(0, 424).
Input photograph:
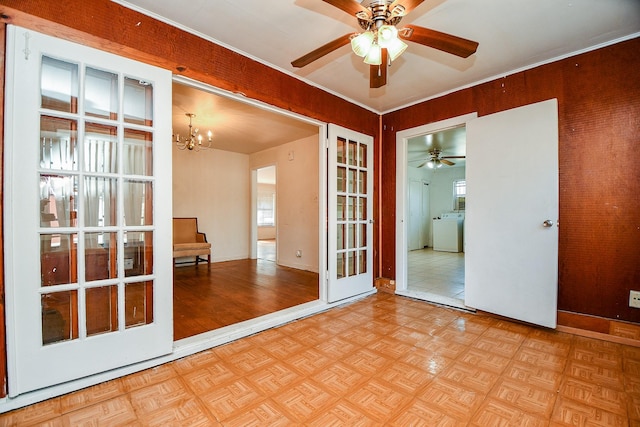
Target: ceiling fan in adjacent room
point(436, 160)
point(381, 43)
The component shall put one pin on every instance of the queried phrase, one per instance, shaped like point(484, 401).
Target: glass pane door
point(87, 205)
point(350, 207)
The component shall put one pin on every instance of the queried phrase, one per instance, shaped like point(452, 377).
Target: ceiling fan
point(380, 42)
point(436, 160)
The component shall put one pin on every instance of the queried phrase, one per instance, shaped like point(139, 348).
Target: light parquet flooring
point(383, 360)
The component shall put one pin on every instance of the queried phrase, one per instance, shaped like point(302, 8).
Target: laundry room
point(436, 200)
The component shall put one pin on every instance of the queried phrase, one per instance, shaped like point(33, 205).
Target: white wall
point(297, 203)
point(442, 189)
point(214, 186)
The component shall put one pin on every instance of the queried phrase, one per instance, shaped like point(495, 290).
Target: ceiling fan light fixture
point(361, 44)
point(396, 48)
point(386, 35)
point(374, 57)
point(434, 164)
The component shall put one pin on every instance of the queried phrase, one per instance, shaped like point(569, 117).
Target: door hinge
point(26, 49)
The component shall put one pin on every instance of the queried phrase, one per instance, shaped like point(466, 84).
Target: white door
point(511, 260)
point(350, 205)
point(88, 211)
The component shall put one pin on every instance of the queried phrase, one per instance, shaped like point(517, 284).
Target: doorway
point(229, 187)
point(265, 202)
point(431, 164)
point(435, 253)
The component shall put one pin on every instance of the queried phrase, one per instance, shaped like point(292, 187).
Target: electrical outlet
point(634, 299)
point(299, 253)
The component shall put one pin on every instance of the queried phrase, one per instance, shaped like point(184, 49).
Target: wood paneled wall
point(599, 168)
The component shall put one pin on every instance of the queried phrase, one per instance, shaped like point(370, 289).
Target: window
point(459, 194)
point(266, 209)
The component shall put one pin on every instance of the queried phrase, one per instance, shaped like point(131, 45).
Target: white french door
point(87, 211)
point(511, 259)
point(350, 206)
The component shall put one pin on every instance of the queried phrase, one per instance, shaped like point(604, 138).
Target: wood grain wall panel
point(599, 168)
point(600, 246)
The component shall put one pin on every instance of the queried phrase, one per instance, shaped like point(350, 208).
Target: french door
point(87, 211)
point(350, 205)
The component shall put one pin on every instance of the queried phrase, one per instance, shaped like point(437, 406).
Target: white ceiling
point(512, 35)
point(236, 126)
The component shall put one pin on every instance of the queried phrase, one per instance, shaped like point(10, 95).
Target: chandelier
point(193, 142)
point(380, 33)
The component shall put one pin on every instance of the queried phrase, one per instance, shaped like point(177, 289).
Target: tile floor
point(440, 273)
point(383, 360)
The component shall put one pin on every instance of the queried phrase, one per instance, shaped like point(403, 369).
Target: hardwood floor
point(230, 292)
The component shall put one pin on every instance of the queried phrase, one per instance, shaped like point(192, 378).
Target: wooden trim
point(599, 327)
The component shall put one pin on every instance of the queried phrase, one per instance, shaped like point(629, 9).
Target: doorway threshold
point(436, 299)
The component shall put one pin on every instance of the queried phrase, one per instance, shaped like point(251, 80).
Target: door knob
point(547, 223)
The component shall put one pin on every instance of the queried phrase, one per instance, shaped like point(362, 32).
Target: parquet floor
point(383, 360)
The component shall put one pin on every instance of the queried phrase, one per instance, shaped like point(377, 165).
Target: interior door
point(511, 260)
point(350, 205)
point(88, 211)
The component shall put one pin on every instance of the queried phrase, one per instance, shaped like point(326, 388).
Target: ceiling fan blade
point(446, 162)
point(408, 5)
point(453, 157)
point(422, 164)
point(378, 73)
point(321, 51)
point(437, 40)
point(350, 6)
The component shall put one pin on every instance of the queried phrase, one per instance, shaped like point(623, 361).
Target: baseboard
point(599, 327)
point(383, 284)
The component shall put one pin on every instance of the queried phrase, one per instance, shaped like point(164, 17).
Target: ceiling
point(450, 142)
point(512, 35)
point(236, 126)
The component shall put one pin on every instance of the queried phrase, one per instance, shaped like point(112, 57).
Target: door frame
point(402, 204)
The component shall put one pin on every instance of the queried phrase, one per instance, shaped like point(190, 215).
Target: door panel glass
point(59, 85)
point(138, 253)
point(362, 157)
point(100, 256)
point(102, 309)
point(59, 316)
point(58, 143)
point(58, 259)
point(138, 154)
point(58, 201)
point(341, 179)
point(341, 265)
point(351, 187)
point(351, 263)
point(138, 303)
point(101, 94)
point(362, 258)
point(352, 154)
point(138, 102)
point(100, 148)
point(341, 153)
point(138, 209)
point(100, 201)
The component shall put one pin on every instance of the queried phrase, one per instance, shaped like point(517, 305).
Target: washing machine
point(448, 232)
